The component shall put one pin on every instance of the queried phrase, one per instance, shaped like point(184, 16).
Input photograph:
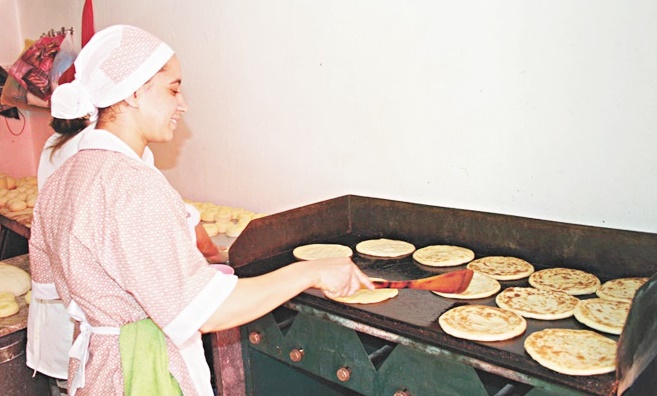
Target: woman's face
point(161, 103)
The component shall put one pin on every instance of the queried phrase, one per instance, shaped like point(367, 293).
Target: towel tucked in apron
point(145, 361)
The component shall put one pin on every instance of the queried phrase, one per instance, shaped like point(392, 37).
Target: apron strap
point(80, 348)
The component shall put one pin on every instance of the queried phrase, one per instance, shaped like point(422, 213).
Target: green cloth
point(145, 361)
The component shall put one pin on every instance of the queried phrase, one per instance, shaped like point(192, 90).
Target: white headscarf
point(115, 63)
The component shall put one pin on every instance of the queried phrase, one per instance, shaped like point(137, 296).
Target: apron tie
point(80, 348)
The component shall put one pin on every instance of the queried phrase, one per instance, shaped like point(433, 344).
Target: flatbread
point(537, 304)
point(568, 280)
point(8, 304)
point(604, 315)
point(621, 289)
point(480, 286)
point(366, 296)
point(320, 251)
point(8, 308)
point(14, 280)
point(385, 248)
point(7, 296)
point(572, 352)
point(502, 267)
point(443, 255)
point(482, 323)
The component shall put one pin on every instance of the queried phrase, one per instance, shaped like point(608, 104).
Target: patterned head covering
point(115, 63)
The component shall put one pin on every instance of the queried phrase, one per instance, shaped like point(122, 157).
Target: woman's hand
point(339, 277)
point(213, 253)
point(220, 257)
point(256, 296)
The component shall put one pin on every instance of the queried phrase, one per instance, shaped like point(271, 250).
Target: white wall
point(538, 109)
point(10, 44)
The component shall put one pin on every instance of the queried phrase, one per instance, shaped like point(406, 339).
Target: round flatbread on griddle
point(385, 248)
point(366, 296)
point(567, 280)
point(480, 286)
point(572, 352)
point(318, 251)
point(621, 289)
point(603, 315)
point(443, 255)
point(482, 323)
point(537, 304)
point(502, 267)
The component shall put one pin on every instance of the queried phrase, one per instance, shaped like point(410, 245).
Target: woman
point(109, 237)
point(50, 328)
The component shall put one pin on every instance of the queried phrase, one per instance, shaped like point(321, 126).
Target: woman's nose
point(182, 103)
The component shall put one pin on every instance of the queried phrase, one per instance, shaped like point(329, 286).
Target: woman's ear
point(133, 99)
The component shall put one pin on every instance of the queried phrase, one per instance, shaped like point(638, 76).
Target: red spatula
point(451, 282)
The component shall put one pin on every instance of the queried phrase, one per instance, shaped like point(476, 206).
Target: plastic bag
point(36, 73)
point(63, 61)
point(13, 93)
point(32, 69)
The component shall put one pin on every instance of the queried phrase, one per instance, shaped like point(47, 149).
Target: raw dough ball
point(11, 183)
point(14, 280)
point(222, 214)
point(244, 216)
point(208, 214)
point(222, 225)
point(211, 229)
point(27, 181)
point(235, 230)
point(28, 297)
point(4, 200)
point(31, 200)
point(15, 205)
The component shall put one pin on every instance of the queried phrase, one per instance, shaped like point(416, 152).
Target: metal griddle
point(268, 242)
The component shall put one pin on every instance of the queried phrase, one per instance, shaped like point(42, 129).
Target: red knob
point(296, 355)
point(343, 374)
point(255, 337)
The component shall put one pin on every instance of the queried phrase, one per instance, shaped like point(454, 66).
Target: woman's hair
point(67, 129)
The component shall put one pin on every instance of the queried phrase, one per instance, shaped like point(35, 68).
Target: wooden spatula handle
point(450, 282)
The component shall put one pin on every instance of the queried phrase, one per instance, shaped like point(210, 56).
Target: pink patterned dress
point(110, 234)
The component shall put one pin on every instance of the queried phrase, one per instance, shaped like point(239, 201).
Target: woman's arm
point(257, 296)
